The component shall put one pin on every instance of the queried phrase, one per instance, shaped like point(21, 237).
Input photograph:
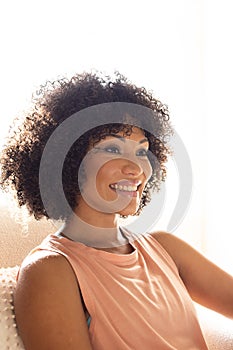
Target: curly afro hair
point(54, 103)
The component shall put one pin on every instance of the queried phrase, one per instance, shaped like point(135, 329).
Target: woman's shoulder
point(44, 268)
point(48, 290)
point(163, 238)
point(39, 259)
point(160, 235)
point(173, 245)
point(167, 240)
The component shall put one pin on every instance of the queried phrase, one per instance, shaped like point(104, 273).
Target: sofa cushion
point(18, 238)
point(9, 338)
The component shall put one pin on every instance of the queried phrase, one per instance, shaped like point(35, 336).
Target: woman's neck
point(107, 236)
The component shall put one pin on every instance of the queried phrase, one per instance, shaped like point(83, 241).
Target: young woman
point(93, 284)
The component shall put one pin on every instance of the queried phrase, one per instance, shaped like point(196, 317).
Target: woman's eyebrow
point(121, 138)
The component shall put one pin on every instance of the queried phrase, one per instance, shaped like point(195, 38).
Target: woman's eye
point(108, 149)
point(112, 149)
point(142, 153)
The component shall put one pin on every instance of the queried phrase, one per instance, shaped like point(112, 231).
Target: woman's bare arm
point(48, 307)
point(206, 283)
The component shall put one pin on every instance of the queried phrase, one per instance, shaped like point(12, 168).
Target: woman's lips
point(126, 188)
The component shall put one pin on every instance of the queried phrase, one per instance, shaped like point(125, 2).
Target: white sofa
point(15, 245)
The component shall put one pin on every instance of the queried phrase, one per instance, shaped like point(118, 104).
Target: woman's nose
point(131, 168)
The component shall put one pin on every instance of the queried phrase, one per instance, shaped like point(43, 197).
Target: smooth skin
point(48, 305)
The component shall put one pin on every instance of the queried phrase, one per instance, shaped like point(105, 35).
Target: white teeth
point(124, 188)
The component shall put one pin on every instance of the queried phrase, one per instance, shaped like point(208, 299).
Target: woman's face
point(116, 171)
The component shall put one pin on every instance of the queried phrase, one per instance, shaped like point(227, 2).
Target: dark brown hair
point(55, 102)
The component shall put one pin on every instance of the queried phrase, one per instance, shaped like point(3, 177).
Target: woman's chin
point(128, 211)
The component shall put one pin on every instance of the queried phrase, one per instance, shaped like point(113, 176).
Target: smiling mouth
point(124, 189)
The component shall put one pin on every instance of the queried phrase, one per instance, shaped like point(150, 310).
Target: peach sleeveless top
point(136, 301)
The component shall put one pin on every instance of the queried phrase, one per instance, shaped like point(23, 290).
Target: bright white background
point(182, 50)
